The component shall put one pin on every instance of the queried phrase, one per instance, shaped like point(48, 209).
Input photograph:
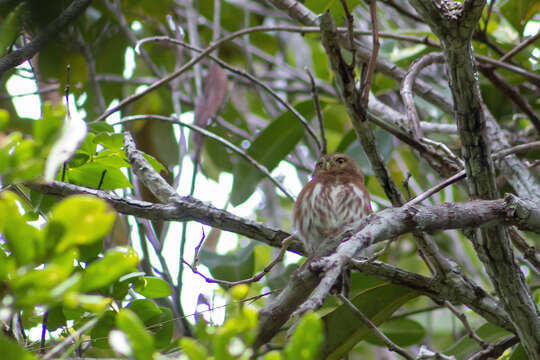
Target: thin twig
point(445, 149)
point(115, 9)
point(43, 332)
point(216, 29)
point(285, 245)
point(497, 63)
point(245, 74)
point(389, 343)
point(61, 346)
point(493, 351)
point(466, 324)
point(513, 93)
point(405, 184)
point(461, 175)
point(453, 179)
point(486, 21)
point(381, 252)
point(350, 31)
point(318, 111)
point(374, 52)
point(529, 252)
point(520, 47)
point(402, 10)
point(91, 68)
point(67, 88)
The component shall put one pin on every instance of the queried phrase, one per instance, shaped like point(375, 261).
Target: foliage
point(67, 262)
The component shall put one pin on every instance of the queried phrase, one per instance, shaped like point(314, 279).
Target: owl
point(335, 200)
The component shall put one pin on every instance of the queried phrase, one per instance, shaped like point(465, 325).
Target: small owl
point(331, 203)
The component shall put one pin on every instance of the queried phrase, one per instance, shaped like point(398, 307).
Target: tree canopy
point(144, 101)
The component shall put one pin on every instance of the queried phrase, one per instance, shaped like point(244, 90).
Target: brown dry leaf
point(215, 87)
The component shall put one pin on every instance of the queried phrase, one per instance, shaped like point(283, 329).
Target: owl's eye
point(341, 160)
point(319, 164)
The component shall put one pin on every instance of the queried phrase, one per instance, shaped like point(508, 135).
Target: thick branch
point(454, 24)
point(388, 224)
point(184, 209)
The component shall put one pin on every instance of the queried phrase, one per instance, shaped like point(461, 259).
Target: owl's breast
point(341, 203)
point(326, 208)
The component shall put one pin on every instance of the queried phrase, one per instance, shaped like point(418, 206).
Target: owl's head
point(336, 164)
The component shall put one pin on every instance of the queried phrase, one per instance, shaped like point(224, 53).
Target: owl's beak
point(327, 165)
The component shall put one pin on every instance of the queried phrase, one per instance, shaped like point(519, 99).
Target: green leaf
point(158, 320)
point(124, 284)
point(10, 27)
point(402, 331)
point(145, 309)
point(4, 118)
point(108, 269)
point(306, 341)
point(92, 303)
point(162, 327)
point(141, 341)
point(153, 287)
point(41, 202)
point(100, 127)
point(85, 220)
point(232, 266)
point(112, 158)
point(90, 252)
point(71, 136)
point(98, 176)
point(7, 266)
point(273, 355)
point(378, 303)
point(166, 145)
point(22, 239)
point(154, 163)
point(88, 146)
point(55, 318)
point(36, 285)
point(47, 129)
point(519, 12)
point(193, 349)
point(110, 140)
point(237, 328)
point(11, 350)
point(519, 353)
point(334, 6)
point(102, 328)
point(270, 147)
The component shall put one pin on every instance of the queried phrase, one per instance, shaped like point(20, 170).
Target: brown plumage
point(332, 202)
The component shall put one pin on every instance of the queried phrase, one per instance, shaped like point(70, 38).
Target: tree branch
point(183, 209)
point(390, 223)
point(454, 24)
